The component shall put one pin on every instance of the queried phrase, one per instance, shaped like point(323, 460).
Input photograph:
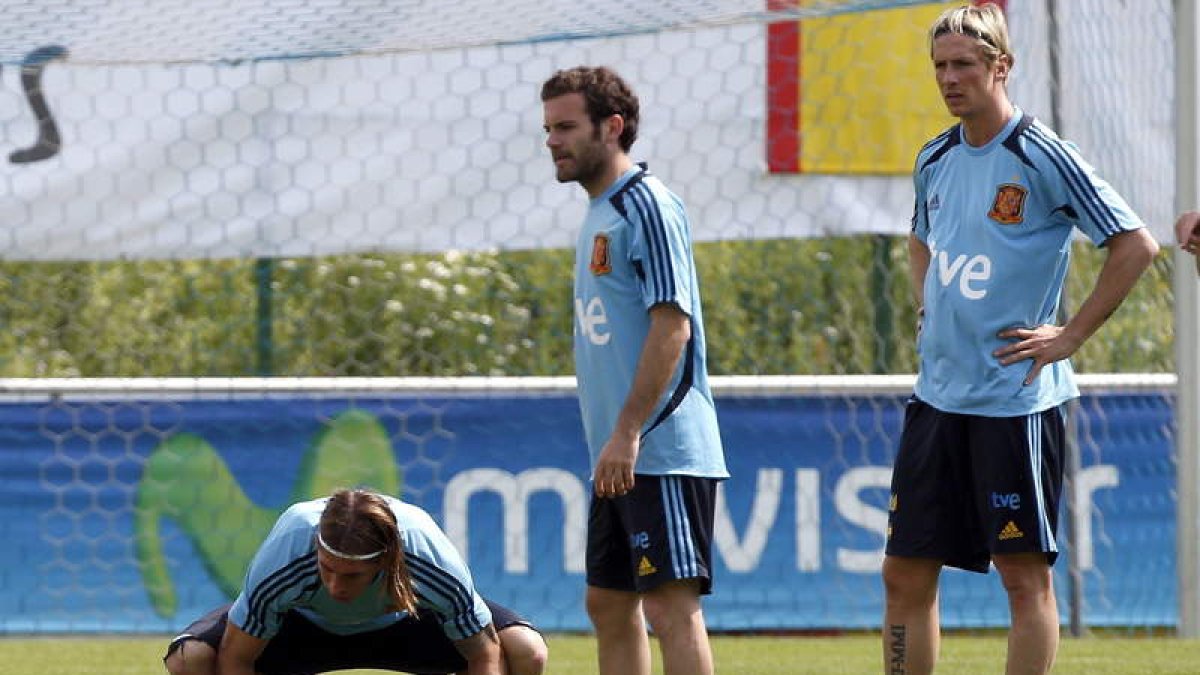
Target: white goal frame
point(1187, 321)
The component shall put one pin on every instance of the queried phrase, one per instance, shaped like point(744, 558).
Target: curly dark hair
point(604, 92)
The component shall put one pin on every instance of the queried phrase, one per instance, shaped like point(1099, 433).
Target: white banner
point(436, 150)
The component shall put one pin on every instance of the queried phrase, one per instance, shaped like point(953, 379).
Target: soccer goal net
point(252, 251)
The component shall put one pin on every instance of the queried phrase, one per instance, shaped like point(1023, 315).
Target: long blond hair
point(360, 523)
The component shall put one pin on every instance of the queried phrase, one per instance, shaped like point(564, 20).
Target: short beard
point(589, 165)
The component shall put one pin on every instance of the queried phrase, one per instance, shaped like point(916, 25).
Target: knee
point(910, 583)
point(1026, 581)
point(1025, 587)
point(673, 607)
point(659, 614)
point(191, 657)
point(614, 610)
point(525, 650)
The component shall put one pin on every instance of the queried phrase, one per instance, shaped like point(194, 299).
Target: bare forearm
point(238, 652)
point(1130, 254)
point(482, 652)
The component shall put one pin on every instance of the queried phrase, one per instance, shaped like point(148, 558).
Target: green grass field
point(575, 655)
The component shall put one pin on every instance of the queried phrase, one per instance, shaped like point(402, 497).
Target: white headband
point(347, 556)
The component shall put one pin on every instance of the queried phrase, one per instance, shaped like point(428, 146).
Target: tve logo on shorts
point(639, 540)
point(592, 321)
point(971, 271)
point(1008, 501)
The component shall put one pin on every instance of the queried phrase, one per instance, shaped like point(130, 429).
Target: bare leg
point(525, 651)
point(911, 634)
point(622, 643)
point(192, 657)
point(674, 612)
point(1033, 640)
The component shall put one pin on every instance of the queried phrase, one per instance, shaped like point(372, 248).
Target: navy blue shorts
point(659, 531)
point(412, 645)
point(967, 487)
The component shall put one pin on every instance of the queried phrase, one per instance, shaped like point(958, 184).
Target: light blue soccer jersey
point(635, 251)
point(998, 220)
point(283, 576)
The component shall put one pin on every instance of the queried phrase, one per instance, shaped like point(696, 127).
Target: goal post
point(1187, 318)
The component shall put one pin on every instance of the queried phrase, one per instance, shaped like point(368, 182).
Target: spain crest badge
point(1008, 208)
point(601, 263)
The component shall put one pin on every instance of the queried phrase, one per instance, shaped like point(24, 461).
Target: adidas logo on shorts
point(1011, 531)
point(645, 568)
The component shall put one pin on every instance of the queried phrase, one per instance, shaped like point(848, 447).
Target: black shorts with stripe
point(411, 645)
point(659, 531)
point(967, 487)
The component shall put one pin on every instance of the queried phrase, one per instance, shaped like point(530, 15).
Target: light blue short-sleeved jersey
point(634, 252)
point(283, 576)
point(998, 220)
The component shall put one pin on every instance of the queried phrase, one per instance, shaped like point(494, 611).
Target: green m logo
point(186, 481)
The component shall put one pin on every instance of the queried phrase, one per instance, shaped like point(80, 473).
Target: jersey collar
point(622, 180)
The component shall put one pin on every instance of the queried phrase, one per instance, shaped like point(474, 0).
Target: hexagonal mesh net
point(348, 189)
point(210, 199)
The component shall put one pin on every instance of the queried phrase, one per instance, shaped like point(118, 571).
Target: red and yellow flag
point(851, 93)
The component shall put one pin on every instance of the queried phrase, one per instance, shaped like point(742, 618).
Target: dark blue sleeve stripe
point(282, 579)
point(939, 146)
point(294, 574)
point(657, 246)
point(1076, 180)
point(312, 588)
point(451, 590)
point(653, 245)
point(1013, 142)
point(441, 583)
point(935, 141)
point(300, 583)
point(426, 601)
point(618, 198)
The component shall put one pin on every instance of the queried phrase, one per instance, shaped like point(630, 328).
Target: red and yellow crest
point(601, 263)
point(1009, 206)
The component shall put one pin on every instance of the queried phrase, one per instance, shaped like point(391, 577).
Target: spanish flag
point(852, 93)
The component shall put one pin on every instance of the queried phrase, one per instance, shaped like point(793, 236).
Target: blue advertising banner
point(139, 515)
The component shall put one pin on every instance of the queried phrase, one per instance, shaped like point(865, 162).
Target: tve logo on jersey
point(592, 321)
point(970, 271)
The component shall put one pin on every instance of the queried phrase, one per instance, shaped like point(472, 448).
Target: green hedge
point(821, 306)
